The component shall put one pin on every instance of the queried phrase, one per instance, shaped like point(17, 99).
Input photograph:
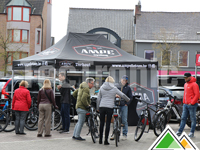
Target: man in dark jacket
point(65, 91)
point(125, 88)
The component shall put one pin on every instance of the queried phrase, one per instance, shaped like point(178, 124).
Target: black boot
point(106, 142)
point(100, 141)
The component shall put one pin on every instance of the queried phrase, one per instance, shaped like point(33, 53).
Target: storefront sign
point(197, 59)
point(97, 51)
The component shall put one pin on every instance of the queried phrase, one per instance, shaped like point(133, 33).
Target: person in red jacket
point(21, 103)
point(190, 104)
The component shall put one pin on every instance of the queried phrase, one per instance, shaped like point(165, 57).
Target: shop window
point(149, 54)
point(18, 36)
point(183, 58)
point(18, 14)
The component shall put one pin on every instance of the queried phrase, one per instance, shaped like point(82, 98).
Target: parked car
point(174, 91)
point(35, 84)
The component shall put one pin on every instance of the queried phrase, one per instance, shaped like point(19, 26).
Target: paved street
point(9, 141)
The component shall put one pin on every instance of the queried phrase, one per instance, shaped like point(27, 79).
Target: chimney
point(137, 10)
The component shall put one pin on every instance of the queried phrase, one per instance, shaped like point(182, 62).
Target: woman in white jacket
point(105, 104)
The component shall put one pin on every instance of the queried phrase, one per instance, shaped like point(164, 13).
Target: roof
point(3, 5)
point(19, 3)
point(184, 25)
point(92, 49)
point(82, 20)
point(38, 4)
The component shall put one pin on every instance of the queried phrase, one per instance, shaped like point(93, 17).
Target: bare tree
point(7, 49)
point(167, 50)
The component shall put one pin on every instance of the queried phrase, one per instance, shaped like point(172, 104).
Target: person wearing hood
point(82, 94)
point(105, 104)
point(190, 98)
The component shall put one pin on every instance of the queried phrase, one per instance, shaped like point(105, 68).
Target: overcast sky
point(60, 9)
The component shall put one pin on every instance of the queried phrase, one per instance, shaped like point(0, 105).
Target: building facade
point(178, 29)
point(26, 26)
point(117, 25)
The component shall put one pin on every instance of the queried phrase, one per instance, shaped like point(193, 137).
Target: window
point(149, 54)
point(166, 58)
point(18, 36)
point(25, 14)
point(9, 13)
point(18, 14)
point(183, 58)
point(38, 37)
point(15, 56)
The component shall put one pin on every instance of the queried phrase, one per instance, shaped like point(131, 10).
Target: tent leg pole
point(12, 88)
point(54, 89)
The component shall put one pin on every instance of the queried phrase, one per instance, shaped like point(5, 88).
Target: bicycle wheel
point(3, 120)
point(140, 127)
point(57, 119)
point(31, 122)
point(92, 130)
point(11, 120)
point(159, 123)
point(116, 134)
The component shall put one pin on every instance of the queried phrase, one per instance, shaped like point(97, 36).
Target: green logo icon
point(168, 140)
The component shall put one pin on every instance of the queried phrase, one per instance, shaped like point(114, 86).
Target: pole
point(54, 89)
point(12, 84)
point(195, 71)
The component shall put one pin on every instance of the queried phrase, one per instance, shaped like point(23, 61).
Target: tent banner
point(32, 64)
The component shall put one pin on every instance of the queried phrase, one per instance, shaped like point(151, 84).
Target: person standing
point(125, 88)
point(65, 91)
point(20, 104)
point(82, 94)
point(190, 98)
point(105, 104)
point(44, 101)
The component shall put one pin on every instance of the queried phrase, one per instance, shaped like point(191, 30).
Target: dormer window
point(18, 14)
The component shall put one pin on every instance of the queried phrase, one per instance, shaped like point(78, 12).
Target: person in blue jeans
point(82, 94)
point(125, 88)
point(190, 98)
point(65, 91)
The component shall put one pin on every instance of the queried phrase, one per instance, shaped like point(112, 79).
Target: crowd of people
point(105, 103)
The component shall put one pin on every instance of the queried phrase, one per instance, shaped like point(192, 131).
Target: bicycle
point(172, 107)
point(3, 120)
point(158, 123)
point(92, 122)
point(117, 121)
point(32, 118)
point(10, 116)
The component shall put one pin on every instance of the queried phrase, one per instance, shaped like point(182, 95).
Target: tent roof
point(84, 47)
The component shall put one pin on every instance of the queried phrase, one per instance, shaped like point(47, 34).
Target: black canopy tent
point(76, 47)
point(81, 50)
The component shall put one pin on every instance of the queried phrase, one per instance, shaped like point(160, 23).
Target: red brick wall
point(3, 26)
point(35, 22)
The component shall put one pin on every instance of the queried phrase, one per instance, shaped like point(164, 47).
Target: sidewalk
point(9, 141)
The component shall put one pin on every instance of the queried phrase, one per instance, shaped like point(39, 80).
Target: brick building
point(26, 25)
